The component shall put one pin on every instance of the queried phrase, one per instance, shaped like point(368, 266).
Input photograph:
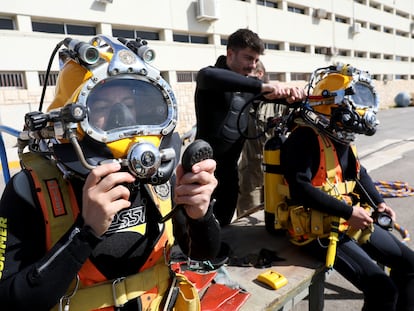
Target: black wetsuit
point(219, 98)
point(33, 279)
point(300, 160)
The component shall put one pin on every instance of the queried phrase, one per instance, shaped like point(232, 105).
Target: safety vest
point(304, 224)
point(94, 291)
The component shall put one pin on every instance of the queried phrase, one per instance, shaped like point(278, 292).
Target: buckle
point(64, 301)
point(115, 284)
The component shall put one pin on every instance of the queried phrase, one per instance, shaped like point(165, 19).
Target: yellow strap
point(283, 189)
point(339, 188)
point(330, 157)
point(164, 205)
point(118, 292)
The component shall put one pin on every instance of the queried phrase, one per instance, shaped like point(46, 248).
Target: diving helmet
point(342, 102)
point(111, 105)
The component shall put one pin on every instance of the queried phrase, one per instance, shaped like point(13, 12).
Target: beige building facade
point(300, 36)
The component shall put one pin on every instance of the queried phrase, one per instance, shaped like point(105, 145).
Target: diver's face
point(106, 102)
point(242, 61)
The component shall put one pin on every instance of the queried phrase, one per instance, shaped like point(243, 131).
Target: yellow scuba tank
point(273, 176)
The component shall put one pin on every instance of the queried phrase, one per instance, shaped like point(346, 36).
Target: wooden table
point(305, 275)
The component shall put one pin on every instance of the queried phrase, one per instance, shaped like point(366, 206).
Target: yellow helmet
point(342, 101)
point(109, 96)
point(326, 88)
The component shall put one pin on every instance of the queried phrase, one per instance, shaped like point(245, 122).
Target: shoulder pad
point(22, 186)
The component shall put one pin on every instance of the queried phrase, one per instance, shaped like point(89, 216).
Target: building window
point(48, 27)
point(64, 28)
point(6, 23)
point(374, 5)
point(268, 3)
point(186, 76)
point(320, 50)
point(122, 33)
point(276, 76)
point(12, 79)
point(401, 77)
point(340, 19)
point(374, 27)
point(299, 76)
point(360, 54)
point(295, 9)
point(147, 35)
point(272, 46)
point(80, 30)
point(53, 76)
point(401, 58)
point(199, 39)
point(343, 52)
point(297, 48)
point(190, 38)
point(388, 9)
point(401, 14)
point(181, 38)
point(132, 34)
point(401, 33)
point(331, 51)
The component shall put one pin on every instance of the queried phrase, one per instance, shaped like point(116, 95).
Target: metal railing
point(3, 154)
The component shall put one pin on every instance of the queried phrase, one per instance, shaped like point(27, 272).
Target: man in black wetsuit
point(321, 167)
point(82, 225)
point(222, 91)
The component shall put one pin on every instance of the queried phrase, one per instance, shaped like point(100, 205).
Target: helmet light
point(84, 51)
point(146, 53)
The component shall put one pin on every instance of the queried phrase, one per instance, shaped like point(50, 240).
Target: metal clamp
point(64, 301)
point(114, 293)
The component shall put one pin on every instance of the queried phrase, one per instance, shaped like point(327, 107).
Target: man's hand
point(360, 218)
point(104, 196)
point(276, 90)
point(384, 208)
point(194, 189)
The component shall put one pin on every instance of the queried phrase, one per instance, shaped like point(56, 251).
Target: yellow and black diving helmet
point(342, 102)
point(111, 104)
